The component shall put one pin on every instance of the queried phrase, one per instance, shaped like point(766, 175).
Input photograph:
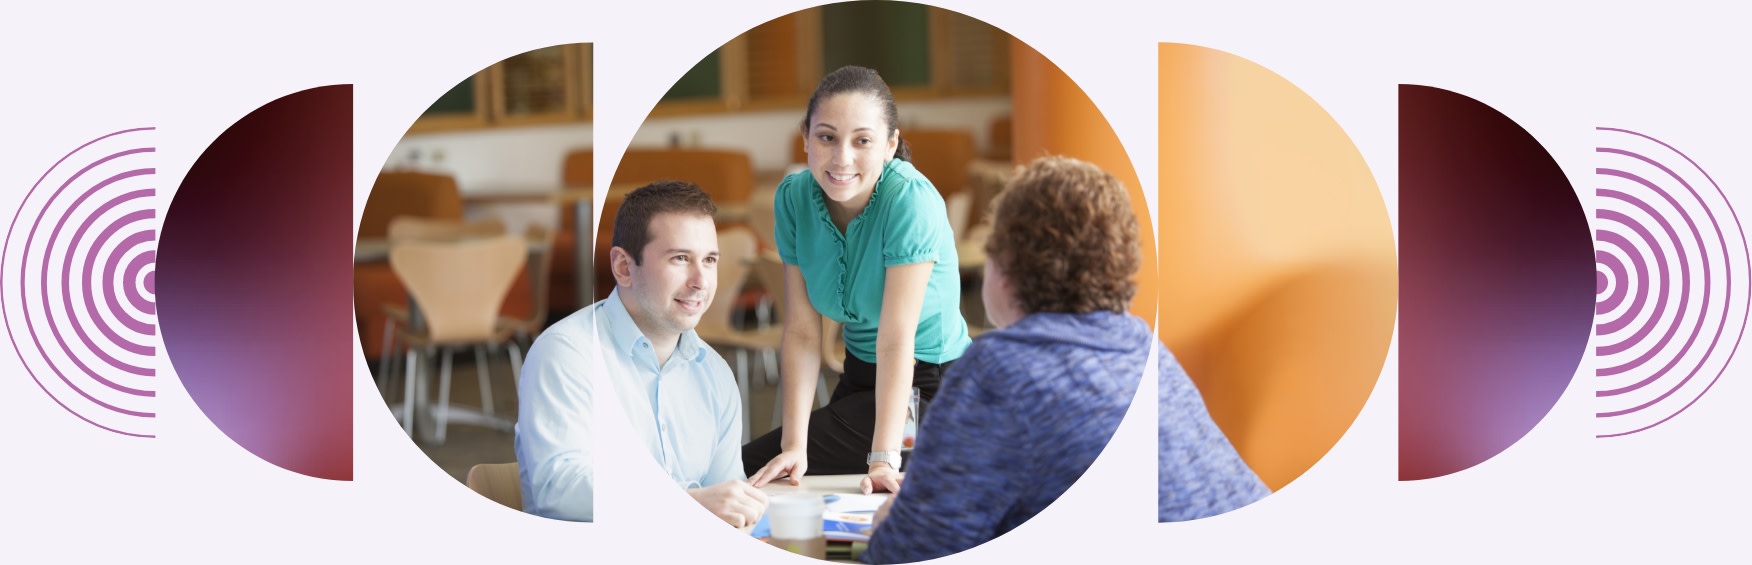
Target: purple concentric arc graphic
point(1671, 267)
point(77, 294)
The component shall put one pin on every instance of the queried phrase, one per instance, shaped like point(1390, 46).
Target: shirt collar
point(625, 337)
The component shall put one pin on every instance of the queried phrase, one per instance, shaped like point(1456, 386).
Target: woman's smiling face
point(848, 141)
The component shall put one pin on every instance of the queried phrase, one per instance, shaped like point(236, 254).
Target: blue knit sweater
point(1025, 412)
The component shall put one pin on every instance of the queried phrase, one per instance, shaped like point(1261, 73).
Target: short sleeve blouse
point(906, 222)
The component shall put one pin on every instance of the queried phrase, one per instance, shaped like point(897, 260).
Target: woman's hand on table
point(882, 478)
point(793, 463)
point(735, 502)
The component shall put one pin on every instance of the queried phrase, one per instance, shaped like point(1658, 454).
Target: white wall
point(529, 158)
point(526, 158)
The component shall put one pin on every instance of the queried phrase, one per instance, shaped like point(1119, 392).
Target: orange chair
point(396, 194)
point(409, 193)
point(1000, 145)
point(727, 176)
point(527, 323)
point(942, 155)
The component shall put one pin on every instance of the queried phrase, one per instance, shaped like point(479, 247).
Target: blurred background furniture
point(458, 287)
point(395, 194)
point(570, 286)
point(725, 175)
point(942, 155)
point(498, 482)
point(736, 257)
point(414, 228)
point(539, 276)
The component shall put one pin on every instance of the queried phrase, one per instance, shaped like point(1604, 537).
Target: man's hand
point(792, 463)
point(735, 502)
point(881, 478)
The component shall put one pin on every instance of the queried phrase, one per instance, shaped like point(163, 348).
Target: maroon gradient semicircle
point(253, 282)
point(1497, 282)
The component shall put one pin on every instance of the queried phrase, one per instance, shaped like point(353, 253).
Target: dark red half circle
point(253, 282)
point(1496, 282)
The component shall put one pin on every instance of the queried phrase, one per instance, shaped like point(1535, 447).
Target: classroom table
point(840, 552)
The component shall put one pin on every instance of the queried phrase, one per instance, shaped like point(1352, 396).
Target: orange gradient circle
point(1278, 275)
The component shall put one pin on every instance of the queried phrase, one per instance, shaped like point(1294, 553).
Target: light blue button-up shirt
point(688, 412)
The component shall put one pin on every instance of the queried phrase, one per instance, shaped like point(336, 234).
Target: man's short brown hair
point(632, 223)
point(1065, 236)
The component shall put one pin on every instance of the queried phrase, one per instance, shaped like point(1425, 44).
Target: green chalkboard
point(701, 82)
point(891, 37)
point(460, 100)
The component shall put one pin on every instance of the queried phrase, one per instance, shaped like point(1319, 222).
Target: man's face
point(671, 289)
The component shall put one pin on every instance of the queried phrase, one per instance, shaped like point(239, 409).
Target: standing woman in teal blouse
point(866, 241)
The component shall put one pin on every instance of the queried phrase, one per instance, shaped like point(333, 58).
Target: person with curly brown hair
point(1031, 404)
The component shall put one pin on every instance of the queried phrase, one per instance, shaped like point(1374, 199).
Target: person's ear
point(621, 264)
point(893, 143)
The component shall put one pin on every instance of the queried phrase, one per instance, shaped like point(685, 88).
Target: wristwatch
point(892, 458)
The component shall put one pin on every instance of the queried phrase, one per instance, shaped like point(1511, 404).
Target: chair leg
point(516, 363)
point(443, 397)
point(408, 393)
point(771, 370)
point(384, 356)
point(742, 385)
point(481, 376)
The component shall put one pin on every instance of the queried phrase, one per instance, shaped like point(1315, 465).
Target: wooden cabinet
point(546, 85)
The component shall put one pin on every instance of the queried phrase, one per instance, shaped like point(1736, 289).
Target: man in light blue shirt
point(680, 395)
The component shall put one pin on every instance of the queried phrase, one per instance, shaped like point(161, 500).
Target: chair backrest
point(728, 176)
point(431, 229)
point(498, 482)
point(408, 193)
point(736, 253)
point(942, 155)
point(577, 172)
point(760, 216)
point(459, 285)
point(1000, 140)
point(769, 271)
point(960, 206)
